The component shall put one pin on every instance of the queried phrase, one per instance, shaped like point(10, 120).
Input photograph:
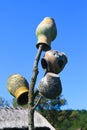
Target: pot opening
point(23, 99)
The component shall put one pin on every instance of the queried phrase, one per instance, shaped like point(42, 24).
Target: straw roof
point(18, 118)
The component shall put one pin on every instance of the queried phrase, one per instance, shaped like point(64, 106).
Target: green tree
point(55, 104)
point(3, 102)
point(14, 102)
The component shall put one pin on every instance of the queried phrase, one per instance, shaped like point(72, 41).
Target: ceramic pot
point(54, 61)
point(50, 86)
point(18, 86)
point(46, 32)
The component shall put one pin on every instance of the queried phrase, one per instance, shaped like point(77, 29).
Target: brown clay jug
point(54, 61)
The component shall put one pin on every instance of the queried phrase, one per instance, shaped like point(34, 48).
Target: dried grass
point(18, 117)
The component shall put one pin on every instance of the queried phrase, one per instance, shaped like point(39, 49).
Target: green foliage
point(4, 102)
point(47, 104)
point(14, 102)
point(66, 119)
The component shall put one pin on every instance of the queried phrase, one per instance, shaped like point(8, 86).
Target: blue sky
point(18, 22)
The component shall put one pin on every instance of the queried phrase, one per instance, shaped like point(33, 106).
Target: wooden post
point(31, 90)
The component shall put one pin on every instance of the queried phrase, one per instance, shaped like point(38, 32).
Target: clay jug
point(18, 86)
point(46, 32)
point(54, 61)
point(50, 86)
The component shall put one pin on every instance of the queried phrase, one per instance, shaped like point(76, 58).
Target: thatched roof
point(18, 118)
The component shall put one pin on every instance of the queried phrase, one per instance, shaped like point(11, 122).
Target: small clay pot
point(54, 61)
point(46, 32)
point(50, 86)
point(18, 86)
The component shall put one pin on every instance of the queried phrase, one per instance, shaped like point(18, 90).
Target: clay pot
point(46, 32)
point(50, 86)
point(18, 86)
point(54, 61)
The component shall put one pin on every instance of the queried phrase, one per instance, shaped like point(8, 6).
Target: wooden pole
point(31, 90)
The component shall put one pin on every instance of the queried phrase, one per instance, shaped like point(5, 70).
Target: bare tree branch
point(31, 90)
point(37, 103)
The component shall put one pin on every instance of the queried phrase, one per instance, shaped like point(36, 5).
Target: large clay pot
point(54, 61)
point(50, 86)
point(18, 86)
point(46, 32)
